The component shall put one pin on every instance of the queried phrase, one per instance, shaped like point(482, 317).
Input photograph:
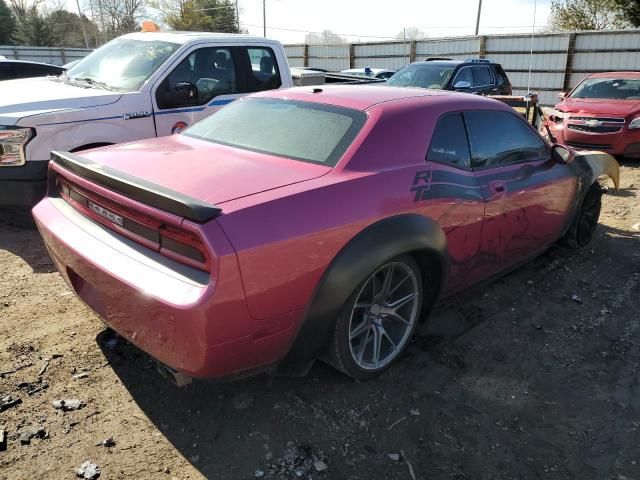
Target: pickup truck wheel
point(378, 321)
point(584, 225)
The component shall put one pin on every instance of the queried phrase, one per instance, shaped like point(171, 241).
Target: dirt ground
point(533, 376)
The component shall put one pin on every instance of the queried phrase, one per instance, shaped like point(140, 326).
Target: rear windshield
point(310, 132)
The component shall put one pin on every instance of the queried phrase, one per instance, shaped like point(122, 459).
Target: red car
point(309, 223)
point(601, 113)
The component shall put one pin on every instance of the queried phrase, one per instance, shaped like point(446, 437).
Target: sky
point(373, 20)
point(377, 20)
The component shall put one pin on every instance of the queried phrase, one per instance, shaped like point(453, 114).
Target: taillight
point(171, 241)
point(183, 246)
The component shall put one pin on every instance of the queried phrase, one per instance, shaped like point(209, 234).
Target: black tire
point(584, 225)
point(340, 354)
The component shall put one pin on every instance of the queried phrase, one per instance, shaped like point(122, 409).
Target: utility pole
point(404, 42)
point(478, 19)
point(84, 30)
point(264, 18)
point(237, 16)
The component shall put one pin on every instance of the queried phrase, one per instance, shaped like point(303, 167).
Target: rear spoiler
point(137, 188)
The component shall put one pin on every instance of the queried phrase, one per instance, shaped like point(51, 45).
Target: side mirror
point(462, 85)
point(185, 93)
point(562, 95)
point(561, 154)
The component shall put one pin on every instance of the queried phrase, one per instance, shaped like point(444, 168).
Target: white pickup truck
point(137, 86)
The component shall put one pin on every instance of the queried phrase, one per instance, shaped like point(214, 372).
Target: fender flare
point(370, 248)
point(601, 164)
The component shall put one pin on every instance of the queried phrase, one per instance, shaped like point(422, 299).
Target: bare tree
point(327, 37)
point(117, 17)
point(411, 33)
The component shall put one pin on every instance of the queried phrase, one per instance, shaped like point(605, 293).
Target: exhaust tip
point(173, 376)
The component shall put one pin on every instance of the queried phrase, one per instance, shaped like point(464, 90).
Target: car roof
point(363, 97)
point(455, 63)
point(25, 62)
point(373, 70)
point(623, 75)
point(186, 37)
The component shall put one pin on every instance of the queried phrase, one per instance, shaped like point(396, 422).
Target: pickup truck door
point(220, 74)
point(528, 197)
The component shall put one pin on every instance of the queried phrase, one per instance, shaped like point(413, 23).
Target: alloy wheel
point(384, 315)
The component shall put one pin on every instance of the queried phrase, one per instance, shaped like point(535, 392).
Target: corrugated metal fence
point(52, 55)
point(558, 62)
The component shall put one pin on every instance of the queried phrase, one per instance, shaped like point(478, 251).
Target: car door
point(219, 75)
point(458, 204)
point(527, 195)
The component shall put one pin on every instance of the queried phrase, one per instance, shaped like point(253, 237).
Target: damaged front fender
point(601, 165)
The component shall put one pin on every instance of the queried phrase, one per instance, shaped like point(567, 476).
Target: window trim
point(466, 136)
point(518, 118)
point(493, 77)
point(276, 66)
point(177, 63)
point(241, 71)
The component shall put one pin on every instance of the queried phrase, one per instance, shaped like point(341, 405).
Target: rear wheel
point(584, 225)
point(379, 319)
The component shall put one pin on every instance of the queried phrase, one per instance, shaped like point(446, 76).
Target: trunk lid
point(203, 170)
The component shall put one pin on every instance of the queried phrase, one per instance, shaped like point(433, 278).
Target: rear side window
point(310, 132)
point(501, 74)
point(499, 138)
point(264, 68)
point(449, 143)
point(482, 76)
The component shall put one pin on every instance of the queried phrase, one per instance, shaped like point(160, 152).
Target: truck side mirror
point(186, 93)
point(562, 95)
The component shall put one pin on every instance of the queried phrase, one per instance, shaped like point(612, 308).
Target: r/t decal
point(421, 184)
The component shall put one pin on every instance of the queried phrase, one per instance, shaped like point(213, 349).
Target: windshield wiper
point(92, 82)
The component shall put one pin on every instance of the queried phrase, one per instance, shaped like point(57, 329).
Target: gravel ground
point(533, 376)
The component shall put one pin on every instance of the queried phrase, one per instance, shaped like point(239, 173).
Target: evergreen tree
point(7, 24)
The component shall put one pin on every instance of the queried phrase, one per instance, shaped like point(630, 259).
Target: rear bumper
point(625, 143)
point(23, 186)
point(181, 316)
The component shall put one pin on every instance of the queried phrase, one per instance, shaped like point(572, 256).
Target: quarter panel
point(284, 245)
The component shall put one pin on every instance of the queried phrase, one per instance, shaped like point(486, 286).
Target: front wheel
point(378, 321)
point(584, 225)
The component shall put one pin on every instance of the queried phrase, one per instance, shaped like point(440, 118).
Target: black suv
point(473, 75)
point(12, 69)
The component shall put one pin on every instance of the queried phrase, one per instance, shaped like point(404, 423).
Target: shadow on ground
point(28, 245)
point(530, 376)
